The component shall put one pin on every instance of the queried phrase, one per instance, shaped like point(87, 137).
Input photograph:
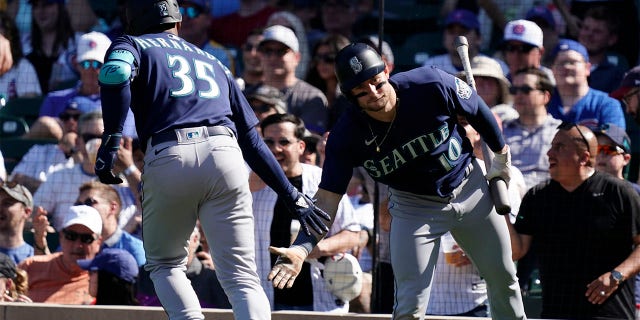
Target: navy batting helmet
point(355, 64)
point(145, 15)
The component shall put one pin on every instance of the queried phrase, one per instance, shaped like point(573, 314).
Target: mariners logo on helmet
point(147, 15)
point(356, 65)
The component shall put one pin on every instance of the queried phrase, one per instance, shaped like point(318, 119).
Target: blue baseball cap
point(464, 18)
point(541, 13)
point(566, 45)
point(117, 262)
point(618, 135)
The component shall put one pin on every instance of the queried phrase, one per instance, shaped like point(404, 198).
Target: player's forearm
point(343, 241)
point(115, 106)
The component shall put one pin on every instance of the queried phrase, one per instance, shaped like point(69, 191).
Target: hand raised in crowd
point(287, 267)
point(6, 58)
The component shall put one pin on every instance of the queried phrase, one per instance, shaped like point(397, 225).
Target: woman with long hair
point(52, 41)
point(322, 71)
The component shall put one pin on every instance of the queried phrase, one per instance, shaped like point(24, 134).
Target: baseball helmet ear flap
point(355, 64)
point(145, 15)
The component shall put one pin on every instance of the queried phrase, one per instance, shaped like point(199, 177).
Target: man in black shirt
point(585, 224)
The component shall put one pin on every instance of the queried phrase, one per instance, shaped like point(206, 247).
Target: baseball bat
point(497, 186)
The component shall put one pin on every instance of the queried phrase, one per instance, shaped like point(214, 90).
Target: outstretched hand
point(309, 214)
point(287, 267)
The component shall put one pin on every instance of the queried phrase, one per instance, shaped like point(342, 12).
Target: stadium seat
point(26, 108)
point(14, 148)
point(12, 126)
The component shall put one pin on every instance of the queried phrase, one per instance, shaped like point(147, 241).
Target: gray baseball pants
point(200, 177)
point(417, 224)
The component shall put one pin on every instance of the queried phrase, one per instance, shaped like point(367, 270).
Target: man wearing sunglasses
point(89, 58)
point(573, 100)
point(523, 47)
point(280, 56)
point(57, 277)
point(586, 227)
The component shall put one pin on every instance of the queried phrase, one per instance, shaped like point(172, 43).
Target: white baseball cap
point(524, 31)
point(343, 276)
point(83, 215)
point(93, 46)
point(281, 34)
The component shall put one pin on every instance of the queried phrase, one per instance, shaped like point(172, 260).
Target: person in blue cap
point(113, 274)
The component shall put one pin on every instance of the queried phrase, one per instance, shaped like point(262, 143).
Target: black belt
point(168, 136)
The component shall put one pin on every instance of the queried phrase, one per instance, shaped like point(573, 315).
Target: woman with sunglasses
point(322, 70)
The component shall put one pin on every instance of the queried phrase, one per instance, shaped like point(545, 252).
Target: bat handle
point(500, 196)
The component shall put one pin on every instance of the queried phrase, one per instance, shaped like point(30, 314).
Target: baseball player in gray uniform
point(404, 131)
point(195, 126)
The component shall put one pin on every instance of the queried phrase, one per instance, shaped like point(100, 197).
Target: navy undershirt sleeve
point(115, 101)
point(262, 161)
point(485, 123)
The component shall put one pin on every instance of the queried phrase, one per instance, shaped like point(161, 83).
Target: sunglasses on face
point(190, 12)
point(90, 64)
point(86, 238)
point(67, 116)
point(89, 136)
point(262, 108)
point(568, 126)
point(326, 58)
point(282, 142)
point(87, 202)
point(518, 48)
point(248, 47)
point(524, 89)
point(609, 150)
point(271, 51)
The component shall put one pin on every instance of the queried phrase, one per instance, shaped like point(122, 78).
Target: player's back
point(176, 84)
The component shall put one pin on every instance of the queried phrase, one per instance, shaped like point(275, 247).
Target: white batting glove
point(501, 166)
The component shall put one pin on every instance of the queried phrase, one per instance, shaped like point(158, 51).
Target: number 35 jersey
point(174, 84)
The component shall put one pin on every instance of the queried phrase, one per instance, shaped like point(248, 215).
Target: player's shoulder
point(421, 76)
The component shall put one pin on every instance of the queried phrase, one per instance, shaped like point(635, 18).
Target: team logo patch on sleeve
point(462, 89)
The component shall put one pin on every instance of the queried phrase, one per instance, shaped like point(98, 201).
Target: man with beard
point(15, 208)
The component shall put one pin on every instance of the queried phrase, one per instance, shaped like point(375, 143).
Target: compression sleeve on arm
point(485, 123)
point(115, 92)
point(262, 162)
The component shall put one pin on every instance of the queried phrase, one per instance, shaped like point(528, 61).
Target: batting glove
point(106, 158)
point(308, 213)
point(501, 167)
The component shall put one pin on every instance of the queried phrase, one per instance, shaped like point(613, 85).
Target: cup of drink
point(450, 248)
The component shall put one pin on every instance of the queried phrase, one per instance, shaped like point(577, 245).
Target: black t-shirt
point(579, 236)
point(301, 293)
